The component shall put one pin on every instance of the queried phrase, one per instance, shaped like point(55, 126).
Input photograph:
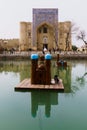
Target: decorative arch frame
point(50, 26)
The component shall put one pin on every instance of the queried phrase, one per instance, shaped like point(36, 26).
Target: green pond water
point(43, 110)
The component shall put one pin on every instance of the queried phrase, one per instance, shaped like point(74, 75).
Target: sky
point(12, 12)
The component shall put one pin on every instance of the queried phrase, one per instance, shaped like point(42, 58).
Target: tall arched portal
point(45, 36)
point(45, 28)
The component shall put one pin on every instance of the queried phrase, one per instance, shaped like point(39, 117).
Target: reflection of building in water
point(65, 74)
point(24, 70)
point(43, 98)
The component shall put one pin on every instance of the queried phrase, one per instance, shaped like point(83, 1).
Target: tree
point(70, 29)
point(74, 48)
point(82, 36)
point(67, 29)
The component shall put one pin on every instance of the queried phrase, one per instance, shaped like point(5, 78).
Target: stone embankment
point(74, 56)
point(26, 56)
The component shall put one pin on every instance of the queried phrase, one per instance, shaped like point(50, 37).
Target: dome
point(48, 57)
point(34, 56)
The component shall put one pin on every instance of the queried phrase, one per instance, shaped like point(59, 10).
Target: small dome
point(48, 56)
point(34, 56)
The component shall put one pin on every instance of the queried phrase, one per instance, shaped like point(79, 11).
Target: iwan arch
point(45, 36)
point(44, 31)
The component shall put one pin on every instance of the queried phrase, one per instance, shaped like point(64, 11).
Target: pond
point(43, 110)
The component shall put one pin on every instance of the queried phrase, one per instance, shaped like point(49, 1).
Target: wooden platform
point(26, 85)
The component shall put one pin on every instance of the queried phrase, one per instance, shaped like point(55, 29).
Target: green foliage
point(74, 48)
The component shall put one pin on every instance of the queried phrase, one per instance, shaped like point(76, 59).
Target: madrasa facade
point(45, 31)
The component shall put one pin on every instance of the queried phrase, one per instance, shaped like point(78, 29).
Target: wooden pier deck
point(26, 85)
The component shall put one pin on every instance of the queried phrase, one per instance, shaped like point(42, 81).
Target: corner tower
point(25, 36)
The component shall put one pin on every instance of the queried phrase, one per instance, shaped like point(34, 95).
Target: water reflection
point(45, 98)
point(64, 74)
point(21, 110)
point(21, 67)
point(81, 79)
point(72, 76)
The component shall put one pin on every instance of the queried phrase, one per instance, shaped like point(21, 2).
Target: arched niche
point(45, 36)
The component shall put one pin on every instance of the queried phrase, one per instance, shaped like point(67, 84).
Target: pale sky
point(14, 11)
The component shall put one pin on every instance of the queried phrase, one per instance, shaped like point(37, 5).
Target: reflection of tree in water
point(21, 67)
point(70, 86)
point(81, 79)
point(79, 83)
point(65, 75)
